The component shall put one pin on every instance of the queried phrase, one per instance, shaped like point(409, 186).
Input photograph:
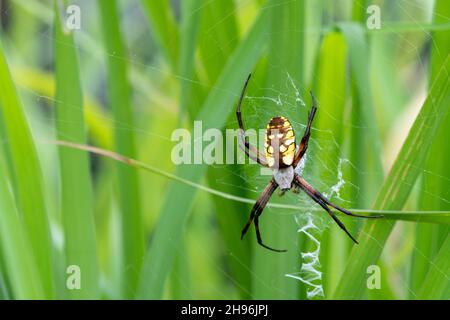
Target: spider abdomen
point(280, 143)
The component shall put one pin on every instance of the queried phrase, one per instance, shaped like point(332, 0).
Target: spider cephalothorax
point(281, 156)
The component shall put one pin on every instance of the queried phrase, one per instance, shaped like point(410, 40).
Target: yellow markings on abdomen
point(280, 143)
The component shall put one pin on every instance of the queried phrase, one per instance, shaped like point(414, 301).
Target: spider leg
point(257, 211)
point(258, 237)
point(305, 139)
point(328, 202)
point(238, 109)
point(256, 156)
point(247, 147)
point(345, 211)
point(311, 192)
point(260, 204)
point(341, 225)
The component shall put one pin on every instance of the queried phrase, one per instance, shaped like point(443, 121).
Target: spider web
point(323, 156)
point(262, 104)
point(310, 273)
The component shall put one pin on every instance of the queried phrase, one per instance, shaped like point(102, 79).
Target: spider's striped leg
point(238, 109)
point(258, 237)
point(310, 191)
point(260, 204)
point(248, 149)
point(345, 211)
point(257, 211)
point(328, 202)
point(305, 139)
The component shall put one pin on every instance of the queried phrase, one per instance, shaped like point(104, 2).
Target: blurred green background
point(134, 71)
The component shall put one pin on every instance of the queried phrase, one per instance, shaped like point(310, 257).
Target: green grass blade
point(129, 194)
point(359, 8)
point(440, 44)
point(4, 290)
point(217, 42)
point(356, 152)
point(440, 217)
point(397, 186)
point(436, 284)
point(331, 96)
point(42, 83)
point(17, 254)
point(180, 275)
point(428, 236)
point(164, 29)
point(177, 204)
point(191, 16)
point(218, 36)
point(181, 286)
point(231, 216)
point(285, 54)
point(359, 64)
point(364, 136)
point(313, 21)
point(27, 176)
point(76, 188)
point(405, 27)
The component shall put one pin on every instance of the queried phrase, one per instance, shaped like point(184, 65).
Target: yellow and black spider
point(280, 156)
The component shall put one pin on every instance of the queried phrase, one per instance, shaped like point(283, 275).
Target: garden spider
point(280, 156)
